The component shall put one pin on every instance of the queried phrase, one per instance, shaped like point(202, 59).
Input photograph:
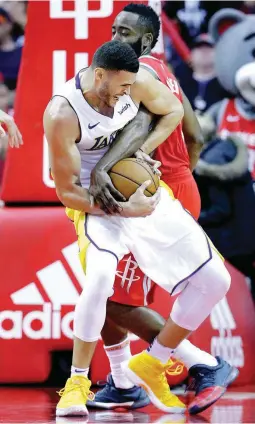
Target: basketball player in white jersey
point(80, 123)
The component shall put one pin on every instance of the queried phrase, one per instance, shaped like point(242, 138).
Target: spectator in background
point(248, 7)
point(9, 133)
point(4, 96)
point(17, 10)
point(227, 199)
point(192, 16)
point(4, 106)
point(10, 52)
point(200, 84)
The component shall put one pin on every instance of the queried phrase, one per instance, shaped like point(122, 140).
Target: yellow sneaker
point(74, 397)
point(148, 372)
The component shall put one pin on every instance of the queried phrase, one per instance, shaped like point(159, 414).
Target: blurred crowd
point(13, 19)
point(222, 175)
point(225, 182)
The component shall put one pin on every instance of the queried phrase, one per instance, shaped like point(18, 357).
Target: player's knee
point(213, 279)
point(100, 289)
point(100, 275)
point(220, 279)
point(225, 280)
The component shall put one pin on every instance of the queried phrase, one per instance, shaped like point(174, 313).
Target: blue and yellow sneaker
point(74, 397)
point(148, 372)
point(210, 383)
point(111, 397)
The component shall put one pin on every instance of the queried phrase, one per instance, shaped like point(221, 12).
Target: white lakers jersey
point(97, 131)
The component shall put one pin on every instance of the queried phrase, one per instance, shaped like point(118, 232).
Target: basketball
point(129, 174)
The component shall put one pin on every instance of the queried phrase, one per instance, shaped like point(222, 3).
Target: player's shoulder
point(60, 112)
point(60, 120)
point(143, 77)
point(156, 68)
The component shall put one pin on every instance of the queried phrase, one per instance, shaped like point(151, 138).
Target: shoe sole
point(112, 405)
point(231, 377)
point(156, 402)
point(72, 411)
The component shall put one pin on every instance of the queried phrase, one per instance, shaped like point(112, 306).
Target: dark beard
point(137, 47)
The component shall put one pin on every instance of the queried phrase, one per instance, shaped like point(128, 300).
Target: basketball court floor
point(35, 405)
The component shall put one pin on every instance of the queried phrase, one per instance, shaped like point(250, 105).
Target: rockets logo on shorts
point(128, 276)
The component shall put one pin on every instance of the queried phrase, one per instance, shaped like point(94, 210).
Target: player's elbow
point(63, 196)
point(177, 110)
point(193, 133)
point(195, 138)
point(199, 139)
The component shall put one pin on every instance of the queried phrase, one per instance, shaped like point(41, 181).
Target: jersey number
point(173, 85)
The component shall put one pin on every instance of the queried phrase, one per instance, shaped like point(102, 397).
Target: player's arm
point(62, 130)
point(192, 133)
point(159, 100)
point(127, 142)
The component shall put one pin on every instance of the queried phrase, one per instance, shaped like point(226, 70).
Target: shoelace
point(70, 388)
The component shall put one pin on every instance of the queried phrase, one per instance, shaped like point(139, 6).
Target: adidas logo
point(52, 294)
point(54, 291)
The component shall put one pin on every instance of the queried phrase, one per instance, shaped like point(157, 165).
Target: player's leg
point(203, 291)
point(119, 390)
point(117, 349)
point(141, 321)
point(89, 319)
point(147, 324)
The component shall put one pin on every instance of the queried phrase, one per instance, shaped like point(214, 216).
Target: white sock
point(159, 351)
point(117, 354)
point(79, 371)
point(191, 355)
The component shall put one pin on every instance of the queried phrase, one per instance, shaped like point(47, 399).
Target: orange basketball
point(129, 174)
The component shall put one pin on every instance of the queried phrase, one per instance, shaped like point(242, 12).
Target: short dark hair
point(148, 19)
point(116, 56)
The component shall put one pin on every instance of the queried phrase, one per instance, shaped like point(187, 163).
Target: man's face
point(126, 29)
point(110, 85)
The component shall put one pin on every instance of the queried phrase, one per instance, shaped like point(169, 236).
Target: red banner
point(57, 45)
point(41, 282)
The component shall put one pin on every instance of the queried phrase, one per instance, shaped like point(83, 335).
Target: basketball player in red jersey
point(177, 158)
point(139, 26)
point(179, 153)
